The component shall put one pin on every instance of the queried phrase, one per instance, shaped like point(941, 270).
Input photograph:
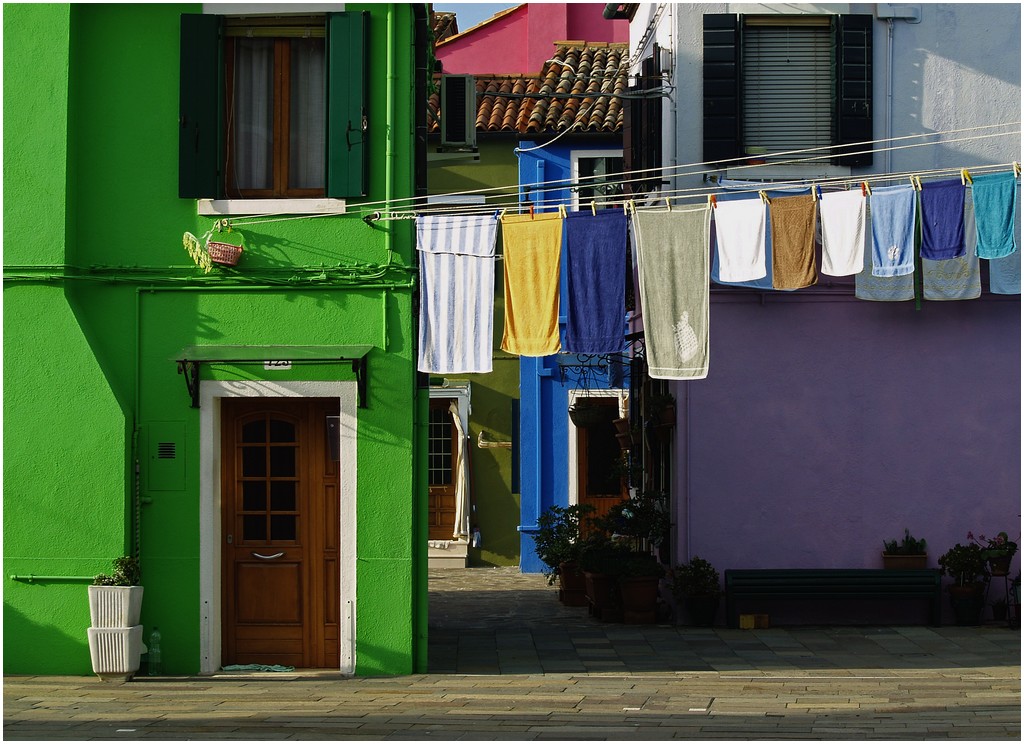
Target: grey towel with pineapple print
point(673, 262)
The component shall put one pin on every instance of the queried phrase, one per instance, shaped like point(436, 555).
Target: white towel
point(739, 232)
point(456, 293)
point(843, 220)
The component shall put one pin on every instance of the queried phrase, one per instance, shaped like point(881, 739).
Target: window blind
point(788, 87)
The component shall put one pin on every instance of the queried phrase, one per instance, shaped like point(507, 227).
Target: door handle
point(267, 557)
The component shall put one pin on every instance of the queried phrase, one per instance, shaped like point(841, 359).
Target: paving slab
point(508, 662)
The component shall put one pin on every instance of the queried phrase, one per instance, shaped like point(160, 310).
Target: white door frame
point(211, 613)
point(574, 480)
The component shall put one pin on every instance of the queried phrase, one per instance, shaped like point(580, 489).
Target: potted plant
point(906, 553)
point(586, 412)
point(558, 547)
point(115, 607)
point(602, 560)
point(695, 587)
point(638, 580)
point(998, 551)
point(969, 571)
point(662, 409)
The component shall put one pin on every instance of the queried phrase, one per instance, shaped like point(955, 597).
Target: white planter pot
point(115, 606)
point(116, 652)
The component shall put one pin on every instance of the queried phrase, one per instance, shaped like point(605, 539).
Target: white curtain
point(252, 112)
point(460, 475)
point(306, 130)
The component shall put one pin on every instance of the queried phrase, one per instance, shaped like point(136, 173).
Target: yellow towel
point(793, 223)
point(533, 257)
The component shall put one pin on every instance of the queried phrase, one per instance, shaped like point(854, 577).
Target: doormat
point(257, 668)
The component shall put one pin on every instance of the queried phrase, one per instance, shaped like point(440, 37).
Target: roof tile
point(581, 84)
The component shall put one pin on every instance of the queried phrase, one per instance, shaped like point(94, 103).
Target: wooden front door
point(280, 495)
point(599, 481)
point(442, 443)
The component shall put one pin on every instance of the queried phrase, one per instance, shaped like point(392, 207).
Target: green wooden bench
point(831, 583)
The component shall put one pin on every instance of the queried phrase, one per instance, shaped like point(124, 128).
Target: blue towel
point(595, 262)
point(995, 209)
point(766, 282)
point(942, 219)
point(893, 209)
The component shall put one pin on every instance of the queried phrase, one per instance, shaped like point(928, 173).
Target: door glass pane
point(254, 431)
point(282, 496)
point(282, 526)
point(282, 462)
point(254, 462)
point(254, 527)
point(602, 452)
point(254, 496)
point(282, 431)
point(440, 447)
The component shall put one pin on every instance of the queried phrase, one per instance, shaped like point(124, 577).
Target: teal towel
point(995, 209)
point(257, 668)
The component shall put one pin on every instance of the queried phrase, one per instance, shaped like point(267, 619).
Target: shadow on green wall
point(35, 648)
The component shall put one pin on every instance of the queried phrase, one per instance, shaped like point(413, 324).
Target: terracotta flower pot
point(902, 561)
point(639, 599)
point(573, 585)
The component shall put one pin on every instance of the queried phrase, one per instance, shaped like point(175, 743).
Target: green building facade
point(255, 432)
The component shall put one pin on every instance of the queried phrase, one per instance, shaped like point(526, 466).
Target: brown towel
point(794, 219)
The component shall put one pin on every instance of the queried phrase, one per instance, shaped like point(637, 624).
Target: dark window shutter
point(632, 136)
point(853, 122)
point(652, 119)
point(346, 104)
point(199, 96)
point(642, 129)
point(722, 110)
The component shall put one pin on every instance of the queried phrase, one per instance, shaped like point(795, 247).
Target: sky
point(470, 14)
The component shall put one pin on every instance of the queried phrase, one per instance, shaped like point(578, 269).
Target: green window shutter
point(199, 97)
point(853, 120)
point(346, 104)
point(722, 110)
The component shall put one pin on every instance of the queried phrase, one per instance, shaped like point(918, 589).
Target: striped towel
point(456, 293)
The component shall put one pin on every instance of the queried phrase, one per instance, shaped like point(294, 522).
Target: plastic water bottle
point(155, 664)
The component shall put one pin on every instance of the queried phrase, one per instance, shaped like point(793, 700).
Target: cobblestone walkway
point(508, 662)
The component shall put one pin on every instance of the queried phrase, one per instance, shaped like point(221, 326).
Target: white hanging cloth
point(460, 473)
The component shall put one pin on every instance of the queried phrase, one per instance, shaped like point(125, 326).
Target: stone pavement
point(508, 662)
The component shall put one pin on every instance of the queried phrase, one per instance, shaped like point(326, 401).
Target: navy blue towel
point(595, 253)
point(942, 219)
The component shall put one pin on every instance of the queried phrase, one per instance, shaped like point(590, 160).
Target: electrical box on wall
point(164, 462)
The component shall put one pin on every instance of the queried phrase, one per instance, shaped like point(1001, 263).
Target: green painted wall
point(100, 295)
point(497, 506)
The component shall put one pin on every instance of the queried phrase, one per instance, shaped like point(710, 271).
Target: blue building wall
point(543, 415)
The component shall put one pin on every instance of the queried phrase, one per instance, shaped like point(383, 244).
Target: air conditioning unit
point(458, 111)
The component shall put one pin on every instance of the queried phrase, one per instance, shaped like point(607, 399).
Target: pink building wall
point(520, 41)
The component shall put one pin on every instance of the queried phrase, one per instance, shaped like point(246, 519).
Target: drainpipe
point(888, 97)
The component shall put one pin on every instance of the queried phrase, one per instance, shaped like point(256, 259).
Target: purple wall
point(827, 425)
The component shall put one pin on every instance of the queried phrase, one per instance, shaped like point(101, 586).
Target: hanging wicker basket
point(224, 254)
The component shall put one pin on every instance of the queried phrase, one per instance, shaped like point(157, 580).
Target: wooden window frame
point(281, 132)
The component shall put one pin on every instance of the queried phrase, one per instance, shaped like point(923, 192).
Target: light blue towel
point(995, 209)
point(893, 210)
point(881, 288)
point(1004, 274)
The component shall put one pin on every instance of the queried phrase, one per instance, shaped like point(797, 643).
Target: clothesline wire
point(512, 190)
point(653, 199)
point(637, 175)
point(703, 192)
point(665, 171)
